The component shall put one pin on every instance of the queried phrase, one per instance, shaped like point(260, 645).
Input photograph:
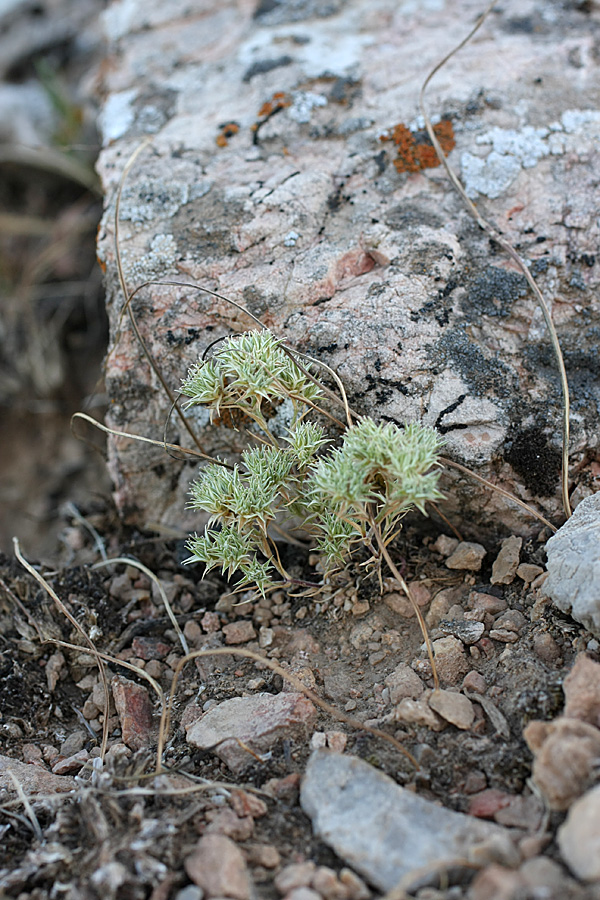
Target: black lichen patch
point(278, 12)
point(266, 65)
point(534, 460)
point(409, 215)
point(481, 374)
point(494, 292)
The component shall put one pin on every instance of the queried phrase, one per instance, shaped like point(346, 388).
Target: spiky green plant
point(355, 492)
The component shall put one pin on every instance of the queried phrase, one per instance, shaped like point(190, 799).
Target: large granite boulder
point(276, 175)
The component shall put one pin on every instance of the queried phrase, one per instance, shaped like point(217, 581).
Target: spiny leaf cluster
point(370, 479)
point(247, 370)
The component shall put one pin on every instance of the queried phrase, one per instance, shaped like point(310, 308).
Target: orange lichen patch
point(227, 130)
point(415, 150)
point(278, 101)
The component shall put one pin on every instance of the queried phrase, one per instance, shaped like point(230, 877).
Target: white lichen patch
point(117, 116)
point(158, 262)
point(514, 150)
point(303, 104)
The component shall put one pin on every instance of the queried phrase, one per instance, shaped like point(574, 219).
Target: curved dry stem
point(510, 250)
point(494, 487)
point(156, 580)
point(116, 662)
point(290, 677)
point(393, 569)
point(145, 440)
point(128, 298)
point(446, 521)
point(63, 609)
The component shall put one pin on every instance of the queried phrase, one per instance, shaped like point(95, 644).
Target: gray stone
point(573, 581)
point(579, 837)
point(307, 222)
point(399, 832)
point(243, 726)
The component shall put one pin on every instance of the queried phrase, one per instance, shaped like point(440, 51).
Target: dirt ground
point(126, 833)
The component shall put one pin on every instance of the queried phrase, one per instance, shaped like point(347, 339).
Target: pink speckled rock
point(298, 212)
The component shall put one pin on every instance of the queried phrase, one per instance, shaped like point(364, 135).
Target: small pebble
point(474, 681)
point(579, 837)
point(453, 707)
point(450, 660)
point(294, 876)
point(418, 712)
point(239, 632)
point(506, 563)
point(503, 635)
point(466, 631)
point(545, 647)
point(403, 682)
point(467, 556)
point(445, 545)
point(487, 602)
point(527, 572)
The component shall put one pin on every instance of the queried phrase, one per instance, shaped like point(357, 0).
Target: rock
point(467, 631)
point(486, 803)
point(450, 660)
point(467, 556)
point(444, 545)
point(74, 742)
point(134, 710)
point(226, 822)
point(511, 620)
point(399, 832)
point(545, 876)
point(217, 866)
point(326, 882)
point(497, 883)
point(247, 804)
point(504, 635)
point(474, 681)
point(239, 632)
point(33, 778)
point(418, 712)
point(356, 889)
point(524, 811)
point(265, 855)
point(403, 682)
point(566, 753)
point(399, 604)
point(148, 648)
point(453, 707)
point(258, 721)
point(573, 581)
point(190, 892)
point(545, 647)
point(487, 602)
point(303, 893)
point(250, 215)
point(54, 668)
point(294, 876)
point(579, 837)
point(582, 691)
point(527, 572)
point(71, 763)
point(506, 563)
